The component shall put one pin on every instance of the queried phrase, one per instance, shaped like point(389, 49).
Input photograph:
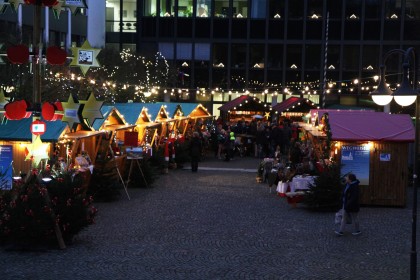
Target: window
point(203, 8)
point(185, 8)
point(335, 8)
point(314, 9)
point(149, 8)
point(373, 9)
point(166, 8)
point(275, 56)
point(370, 58)
point(257, 29)
point(313, 57)
point(240, 8)
point(184, 51)
point(167, 50)
point(351, 56)
point(296, 8)
point(220, 55)
point(412, 9)
point(256, 56)
point(238, 56)
point(275, 9)
point(258, 8)
point(221, 8)
point(353, 9)
point(202, 52)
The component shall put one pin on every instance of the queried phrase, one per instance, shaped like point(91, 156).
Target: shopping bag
point(338, 216)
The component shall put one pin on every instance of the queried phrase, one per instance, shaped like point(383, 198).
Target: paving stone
point(221, 224)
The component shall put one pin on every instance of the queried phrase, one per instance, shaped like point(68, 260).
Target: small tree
point(325, 193)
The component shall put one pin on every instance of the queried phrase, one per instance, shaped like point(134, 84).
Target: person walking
point(351, 205)
point(195, 151)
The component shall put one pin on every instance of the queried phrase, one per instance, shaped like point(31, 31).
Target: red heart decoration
point(18, 54)
point(9, 112)
point(48, 110)
point(20, 107)
point(56, 55)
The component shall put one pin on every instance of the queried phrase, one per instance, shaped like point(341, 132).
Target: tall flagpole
point(324, 88)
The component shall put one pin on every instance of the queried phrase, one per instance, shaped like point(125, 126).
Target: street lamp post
point(405, 95)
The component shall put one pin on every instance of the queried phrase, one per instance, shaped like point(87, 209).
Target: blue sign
point(6, 168)
point(356, 159)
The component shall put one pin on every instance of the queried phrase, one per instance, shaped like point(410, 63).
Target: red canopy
point(369, 126)
point(294, 104)
point(244, 103)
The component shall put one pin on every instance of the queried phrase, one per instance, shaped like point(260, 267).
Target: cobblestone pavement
point(221, 225)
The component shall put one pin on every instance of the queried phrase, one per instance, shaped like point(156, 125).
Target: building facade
point(271, 48)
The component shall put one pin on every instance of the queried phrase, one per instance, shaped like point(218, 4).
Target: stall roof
point(369, 126)
point(244, 103)
point(106, 112)
point(20, 130)
point(294, 104)
point(130, 111)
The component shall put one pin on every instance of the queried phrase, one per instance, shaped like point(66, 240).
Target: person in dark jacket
point(195, 151)
point(351, 205)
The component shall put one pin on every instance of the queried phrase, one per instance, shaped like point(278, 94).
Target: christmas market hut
point(158, 114)
point(197, 116)
point(372, 145)
point(136, 114)
point(115, 129)
point(16, 138)
point(175, 112)
point(293, 108)
point(243, 107)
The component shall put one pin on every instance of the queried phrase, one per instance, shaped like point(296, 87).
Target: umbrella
point(257, 116)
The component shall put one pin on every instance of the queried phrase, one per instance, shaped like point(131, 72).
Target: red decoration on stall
point(166, 151)
point(16, 110)
point(56, 55)
point(48, 3)
point(18, 54)
point(59, 112)
point(52, 111)
point(131, 138)
point(38, 127)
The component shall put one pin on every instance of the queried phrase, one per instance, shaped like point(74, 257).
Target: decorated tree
point(325, 193)
point(35, 213)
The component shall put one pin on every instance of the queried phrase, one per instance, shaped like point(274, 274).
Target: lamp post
point(405, 95)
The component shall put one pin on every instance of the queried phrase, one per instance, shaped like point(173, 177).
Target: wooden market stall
point(111, 147)
point(137, 114)
point(197, 116)
point(243, 107)
point(372, 145)
point(175, 112)
point(158, 114)
point(146, 128)
point(17, 134)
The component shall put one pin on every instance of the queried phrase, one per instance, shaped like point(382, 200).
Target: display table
point(301, 182)
point(282, 188)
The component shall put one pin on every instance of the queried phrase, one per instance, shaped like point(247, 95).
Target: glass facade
point(275, 45)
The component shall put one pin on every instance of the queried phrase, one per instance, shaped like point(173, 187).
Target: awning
point(244, 103)
point(369, 126)
point(294, 104)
